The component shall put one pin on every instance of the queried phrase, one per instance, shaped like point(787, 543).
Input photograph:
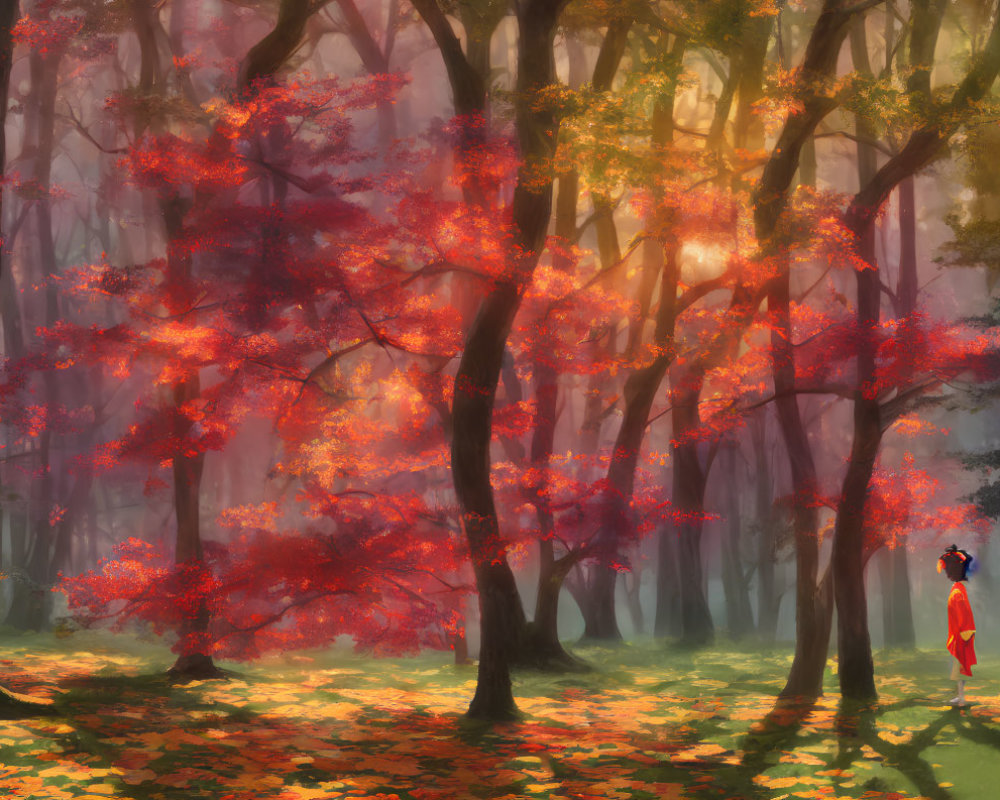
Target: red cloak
point(960, 620)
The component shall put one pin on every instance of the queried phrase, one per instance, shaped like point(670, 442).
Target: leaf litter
point(648, 722)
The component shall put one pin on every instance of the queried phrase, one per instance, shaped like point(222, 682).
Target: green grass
point(648, 722)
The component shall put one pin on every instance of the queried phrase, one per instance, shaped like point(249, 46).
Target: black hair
point(955, 563)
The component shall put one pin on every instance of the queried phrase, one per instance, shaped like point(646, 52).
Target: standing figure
point(955, 564)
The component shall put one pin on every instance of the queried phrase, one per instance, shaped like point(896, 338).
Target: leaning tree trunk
point(617, 524)
point(479, 369)
point(770, 198)
point(641, 386)
point(856, 669)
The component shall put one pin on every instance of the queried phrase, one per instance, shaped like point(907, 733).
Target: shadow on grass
point(168, 742)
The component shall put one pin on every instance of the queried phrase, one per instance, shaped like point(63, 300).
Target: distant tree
point(12, 704)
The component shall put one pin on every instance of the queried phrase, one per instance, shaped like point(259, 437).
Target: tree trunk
point(33, 605)
point(542, 647)
point(641, 386)
point(632, 584)
point(768, 598)
point(668, 595)
point(12, 705)
point(856, 666)
point(813, 610)
point(896, 595)
point(897, 609)
point(689, 504)
point(771, 193)
point(617, 525)
point(734, 584)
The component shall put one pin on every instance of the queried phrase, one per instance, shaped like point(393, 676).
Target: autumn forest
point(427, 399)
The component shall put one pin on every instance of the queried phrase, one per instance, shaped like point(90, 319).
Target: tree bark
point(12, 705)
point(739, 617)
point(689, 483)
point(819, 66)
point(479, 370)
point(667, 621)
point(856, 664)
point(32, 605)
point(641, 386)
point(272, 52)
point(768, 598)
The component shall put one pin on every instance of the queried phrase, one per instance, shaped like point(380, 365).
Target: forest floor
point(648, 722)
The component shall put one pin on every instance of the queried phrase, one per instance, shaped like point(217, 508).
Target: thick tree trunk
point(771, 193)
point(502, 619)
point(479, 368)
point(856, 666)
point(187, 473)
point(812, 645)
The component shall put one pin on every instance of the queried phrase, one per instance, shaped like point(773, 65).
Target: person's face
point(953, 569)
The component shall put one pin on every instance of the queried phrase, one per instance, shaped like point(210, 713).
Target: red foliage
point(901, 502)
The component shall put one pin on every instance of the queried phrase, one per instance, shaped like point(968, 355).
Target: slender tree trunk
point(896, 594)
point(12, 705)
point(632, 584)
point(690, 478)
point(668, 595)
point(375, 58)
point(813, 610)
point(856, 666)
point(35, 604)
point(542, 646)
point(479, 371)
point(617, 525)
point(734, 584)
point(768, 599)
point(641, 386)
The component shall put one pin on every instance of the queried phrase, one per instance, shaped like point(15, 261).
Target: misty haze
point(502, 399)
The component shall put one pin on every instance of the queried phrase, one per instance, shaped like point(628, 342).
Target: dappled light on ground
point(646, 723)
